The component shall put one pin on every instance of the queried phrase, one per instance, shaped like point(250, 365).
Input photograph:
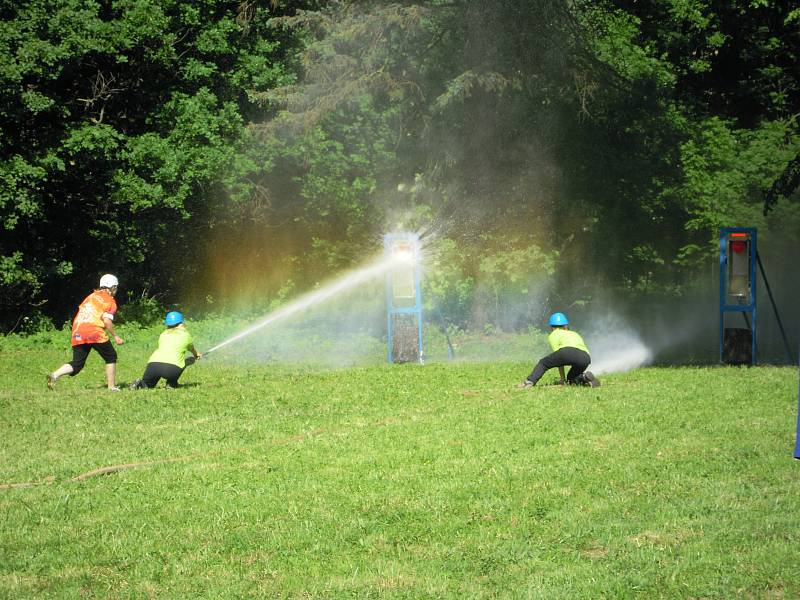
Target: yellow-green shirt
point(173, 344)
point(565, 338)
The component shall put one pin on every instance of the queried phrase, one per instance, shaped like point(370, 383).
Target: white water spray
point(616, 347)
point(622, 358)
point(375, 269)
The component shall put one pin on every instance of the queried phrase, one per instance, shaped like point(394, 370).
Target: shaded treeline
point(226, 154)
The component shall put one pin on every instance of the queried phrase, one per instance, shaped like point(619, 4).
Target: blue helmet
point(173, 318)
point(558, 319)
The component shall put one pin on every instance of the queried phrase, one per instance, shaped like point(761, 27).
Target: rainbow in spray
point(376, 268)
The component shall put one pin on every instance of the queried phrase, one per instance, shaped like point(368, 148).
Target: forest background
point(554, 154)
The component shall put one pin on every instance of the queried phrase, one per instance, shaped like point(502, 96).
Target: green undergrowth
point(265, 479)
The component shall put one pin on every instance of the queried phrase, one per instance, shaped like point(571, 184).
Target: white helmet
point(108, 281)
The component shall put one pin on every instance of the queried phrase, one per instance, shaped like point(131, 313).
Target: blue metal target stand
point(738, 257)
point(737, 294)
point(404, 298)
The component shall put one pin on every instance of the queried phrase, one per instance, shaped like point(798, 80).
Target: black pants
point(81, 352)
point(576, 359)
point(154, 371)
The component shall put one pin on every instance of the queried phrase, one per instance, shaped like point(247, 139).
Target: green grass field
point(267, 480)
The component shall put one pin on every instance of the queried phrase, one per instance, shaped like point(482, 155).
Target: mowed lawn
point(269, 481)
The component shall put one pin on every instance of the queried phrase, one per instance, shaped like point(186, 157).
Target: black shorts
point(154, 371)
point(576, 359)
point(81, 352)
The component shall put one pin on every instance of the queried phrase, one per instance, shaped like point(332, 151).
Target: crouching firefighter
point(569, 350)
point(169, 360)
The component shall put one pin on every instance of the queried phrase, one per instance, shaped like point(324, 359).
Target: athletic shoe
point(113, 389)
point(590, 379)
point(525, 384)
point(51, 381)
point(136, 384)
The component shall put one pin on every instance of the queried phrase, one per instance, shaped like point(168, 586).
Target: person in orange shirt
point(90, 329)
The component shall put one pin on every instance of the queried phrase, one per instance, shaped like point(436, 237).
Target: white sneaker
point(113, 389)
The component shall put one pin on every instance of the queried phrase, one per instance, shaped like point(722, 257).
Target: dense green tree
point(733, 92)
point(615, 136)
point(542, 147)
point(470, 101)
point(122, 123)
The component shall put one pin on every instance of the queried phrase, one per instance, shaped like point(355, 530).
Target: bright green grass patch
point(404, 481)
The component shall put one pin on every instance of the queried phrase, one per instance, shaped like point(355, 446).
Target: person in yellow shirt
point(569, 350)
point(92, 328)
point(169, 360)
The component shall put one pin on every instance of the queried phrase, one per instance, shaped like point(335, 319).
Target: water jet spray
point(350, 280)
